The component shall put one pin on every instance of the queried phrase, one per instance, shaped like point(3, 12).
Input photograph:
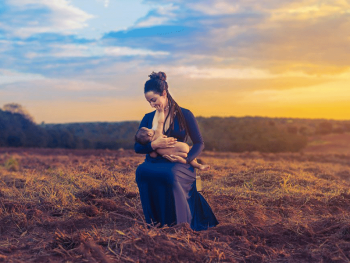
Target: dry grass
point(83, 206)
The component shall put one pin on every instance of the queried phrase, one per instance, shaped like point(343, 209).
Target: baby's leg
point(180, 149)
point(203, 167)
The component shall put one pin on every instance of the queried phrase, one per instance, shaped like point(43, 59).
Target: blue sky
point(87, 60)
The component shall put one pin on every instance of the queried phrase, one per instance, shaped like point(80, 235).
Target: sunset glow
point(82, 61)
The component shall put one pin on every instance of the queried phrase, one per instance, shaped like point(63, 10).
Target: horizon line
point(199, 116)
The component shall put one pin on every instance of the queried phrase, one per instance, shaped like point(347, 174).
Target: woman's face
point(155, 99)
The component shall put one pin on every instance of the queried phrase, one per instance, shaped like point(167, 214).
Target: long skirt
point(169, 195)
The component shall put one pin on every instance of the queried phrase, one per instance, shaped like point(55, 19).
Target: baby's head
point(144, 135)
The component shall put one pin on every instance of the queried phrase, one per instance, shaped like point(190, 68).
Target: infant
point(145, 135)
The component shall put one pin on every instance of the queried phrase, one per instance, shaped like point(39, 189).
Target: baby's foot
point(204, 167)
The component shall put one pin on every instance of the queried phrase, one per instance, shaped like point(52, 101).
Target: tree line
point(236, 134)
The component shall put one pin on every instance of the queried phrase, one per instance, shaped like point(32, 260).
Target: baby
point(145, 135)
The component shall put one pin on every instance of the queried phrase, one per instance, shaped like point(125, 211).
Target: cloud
point(74, 85)
point(152, 21)
point(279, 36)
point(161, 15)
point(74, 50)
point(216, 8)
point(310, 9)
point(93, 50)
point(9, 76)
point(29, 17)
point(105, 2)
point(125, 51)
point(272, 36)
point(230, 73)
point(5, 45)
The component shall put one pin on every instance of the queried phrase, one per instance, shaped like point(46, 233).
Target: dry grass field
point(330, 143)
point(83, 206)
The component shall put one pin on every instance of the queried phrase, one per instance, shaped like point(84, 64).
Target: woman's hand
point(163, 142)
point(160, 107)
point(175, 158)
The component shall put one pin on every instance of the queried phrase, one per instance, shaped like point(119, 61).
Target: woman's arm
point(195, 135)
point(140, 148)
point(160, 142)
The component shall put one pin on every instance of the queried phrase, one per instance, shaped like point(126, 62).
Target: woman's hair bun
point(160, 75)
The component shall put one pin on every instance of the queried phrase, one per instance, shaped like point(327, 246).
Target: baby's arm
point(161, 117)
point(159, 130)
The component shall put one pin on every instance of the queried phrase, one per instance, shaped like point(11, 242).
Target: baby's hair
point(157, 83)
point(142, 137)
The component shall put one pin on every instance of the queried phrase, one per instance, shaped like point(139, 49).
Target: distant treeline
point(248, 134)
point(220, 134)
point(18, 131)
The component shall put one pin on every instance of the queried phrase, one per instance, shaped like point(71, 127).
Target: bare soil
point(61, 205)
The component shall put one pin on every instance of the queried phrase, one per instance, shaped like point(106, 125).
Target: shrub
point(12, 164)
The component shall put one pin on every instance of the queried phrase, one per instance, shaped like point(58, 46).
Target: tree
point(325, 127)
point(303, 130)
point(292, 129)
point(17, 108)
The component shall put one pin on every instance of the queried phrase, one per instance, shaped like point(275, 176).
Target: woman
point(168, 187)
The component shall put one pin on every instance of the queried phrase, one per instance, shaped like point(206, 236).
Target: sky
point(88, 60)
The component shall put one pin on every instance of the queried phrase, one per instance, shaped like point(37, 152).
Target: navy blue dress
point(168, 190)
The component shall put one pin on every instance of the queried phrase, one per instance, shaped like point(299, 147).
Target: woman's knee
point(150, 175)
